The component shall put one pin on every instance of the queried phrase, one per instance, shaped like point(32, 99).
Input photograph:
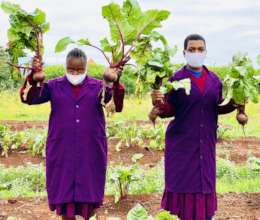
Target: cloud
point(227, 25)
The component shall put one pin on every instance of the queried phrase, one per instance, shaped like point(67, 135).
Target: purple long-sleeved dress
point(76, 148)
point(190, 150)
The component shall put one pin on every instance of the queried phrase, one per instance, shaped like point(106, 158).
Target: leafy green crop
point(131, 28)
point(30, 140)
point(121, 177)
point(138, 212)
point(153, 64)
point(25, 32)
point(181, 84)
point(7, 80)
point(129, 135)
point(241, 83)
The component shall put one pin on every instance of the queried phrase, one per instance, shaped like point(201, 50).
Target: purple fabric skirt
point(190, 206)
point(86, 210)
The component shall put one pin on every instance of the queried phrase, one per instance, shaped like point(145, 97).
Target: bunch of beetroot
point(129, 26)
point(26, 35)
point(241, 84)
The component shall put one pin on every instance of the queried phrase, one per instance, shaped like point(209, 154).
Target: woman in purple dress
point(76, 147)
point(190, 148)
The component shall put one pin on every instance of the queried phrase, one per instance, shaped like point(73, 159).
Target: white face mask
point(195, 59)
point(76, 79)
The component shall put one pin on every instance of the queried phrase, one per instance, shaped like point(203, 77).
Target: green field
point(11, 108)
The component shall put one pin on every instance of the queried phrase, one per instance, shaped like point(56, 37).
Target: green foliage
point(8, 80)
point(129, 135)
point(154, 64)
point(165, 215)
point(96, 70)
point(121, 177)
point(30, 140)
point(223, 132)
point(63, 43)
point(155, 136)
point(22, 180)
point(241, 83)
point(254, 164)
point(140, 135)
point(29, 180)
point(181, 84)
point(226, 169)
point(131, 30)
point(221, 71)
point(129, 78)
point(138, 212)
point(54, 71)
point(25, 32)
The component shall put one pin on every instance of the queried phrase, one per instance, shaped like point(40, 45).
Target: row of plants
point(30, 140)
point(123, 180)
point(33, 140)
point(126, 135)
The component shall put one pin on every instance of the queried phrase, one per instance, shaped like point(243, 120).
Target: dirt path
point(240, 149)
point(236, 150)
point(232, 206)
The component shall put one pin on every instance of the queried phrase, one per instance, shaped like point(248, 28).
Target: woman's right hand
point(38, 75)
point(157, 96)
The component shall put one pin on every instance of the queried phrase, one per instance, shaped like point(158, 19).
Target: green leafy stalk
point(241, 84)
point(138, 212)
point(129, 26)
point(154, 64)
point(25, 33)
point(121, 177)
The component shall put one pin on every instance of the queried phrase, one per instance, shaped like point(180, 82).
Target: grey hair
point(77, 53)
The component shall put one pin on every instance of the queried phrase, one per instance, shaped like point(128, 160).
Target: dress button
point(201, 125)
point(201, 141)
point(77, 120)
point(77, 106)
point(201, 157)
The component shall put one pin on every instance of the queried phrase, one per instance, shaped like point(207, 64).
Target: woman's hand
point(111, 75)
point(157, 96)
point(38, 74)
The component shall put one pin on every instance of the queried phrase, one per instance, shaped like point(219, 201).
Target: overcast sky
point(229, 26)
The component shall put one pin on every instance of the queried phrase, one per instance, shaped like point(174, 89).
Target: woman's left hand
point(110, 75)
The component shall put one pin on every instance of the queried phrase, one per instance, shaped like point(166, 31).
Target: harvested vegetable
point(25, 34)
point(129, 27)
point(242, 85)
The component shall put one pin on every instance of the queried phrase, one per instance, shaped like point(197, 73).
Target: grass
point(11, 108)
point(29, 180)
point(134, 109)
point(251, 129)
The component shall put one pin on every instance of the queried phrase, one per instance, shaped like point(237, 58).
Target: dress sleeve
point(220, 96)
point(118, 96)
point(108, 94)
point(33, 94)
point(167, 110)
